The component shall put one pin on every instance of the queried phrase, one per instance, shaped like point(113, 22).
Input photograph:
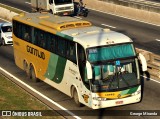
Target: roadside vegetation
point(13, 98)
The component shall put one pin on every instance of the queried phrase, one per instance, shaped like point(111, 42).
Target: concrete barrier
point(6, 14)
point(146, 16)
point(153, 62)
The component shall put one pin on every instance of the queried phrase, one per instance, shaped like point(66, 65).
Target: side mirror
point(89, 70)
point(143, 62)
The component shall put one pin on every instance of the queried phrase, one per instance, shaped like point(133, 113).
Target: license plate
point(65, 13)
point(119, 102)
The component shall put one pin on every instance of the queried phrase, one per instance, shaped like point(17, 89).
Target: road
point(145, 36)
point(150, 97)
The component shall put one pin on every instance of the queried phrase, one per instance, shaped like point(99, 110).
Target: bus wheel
point(25, 66)
point(76, 99)
point(33, 74)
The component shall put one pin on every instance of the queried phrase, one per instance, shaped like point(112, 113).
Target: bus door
point(84, 86)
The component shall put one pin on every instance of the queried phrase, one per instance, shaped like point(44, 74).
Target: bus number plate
point(119, 102)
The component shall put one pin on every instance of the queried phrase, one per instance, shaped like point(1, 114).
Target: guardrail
point(139, 4)
point(153, 62)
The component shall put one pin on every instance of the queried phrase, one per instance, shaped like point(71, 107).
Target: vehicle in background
point(82, 12)
point(6, 34)
point(59, 7)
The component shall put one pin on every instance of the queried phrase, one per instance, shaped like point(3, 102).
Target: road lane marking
point(40, 94)
point(124, 17)
point(108, 26)
point(151, 79)
point(28, 3)
point(157, 39)
point(77, 17)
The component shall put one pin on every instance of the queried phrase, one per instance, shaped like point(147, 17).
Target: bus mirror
point(89, 70)
point(143, 62)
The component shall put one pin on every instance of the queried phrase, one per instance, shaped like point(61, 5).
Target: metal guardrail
point(138, 4)
point(153, 62)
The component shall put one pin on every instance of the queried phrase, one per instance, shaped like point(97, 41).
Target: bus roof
point(82, 31)
point(96, 36)
point(51, 22)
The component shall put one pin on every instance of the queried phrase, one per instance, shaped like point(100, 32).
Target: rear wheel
point(33, 74)
point(25, 67)
point(85, 14)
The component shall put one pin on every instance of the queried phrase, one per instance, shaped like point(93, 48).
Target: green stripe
point(60, 70)
point(56, 67)
point(124, 92)
point(133, 90)
point(51, 70)
point(64, 36)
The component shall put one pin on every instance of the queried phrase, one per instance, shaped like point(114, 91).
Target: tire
point(25, 67)
point(85, 14)
point(76, 99)
point(50, 11)
point(33, 74)
point(3, 42)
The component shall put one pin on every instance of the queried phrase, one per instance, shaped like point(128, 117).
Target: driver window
point(81, 60)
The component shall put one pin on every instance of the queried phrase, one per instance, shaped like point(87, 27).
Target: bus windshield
point(114, 67)
point(102, 54)
point(60, 2)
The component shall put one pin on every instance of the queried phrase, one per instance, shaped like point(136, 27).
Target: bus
point(96, 67)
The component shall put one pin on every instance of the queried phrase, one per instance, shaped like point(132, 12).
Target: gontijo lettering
point(35, 52)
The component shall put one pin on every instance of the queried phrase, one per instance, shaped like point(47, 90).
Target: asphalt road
point(145, 36)
point(150, 97)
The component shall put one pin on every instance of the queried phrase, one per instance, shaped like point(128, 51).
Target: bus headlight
point(136, 93)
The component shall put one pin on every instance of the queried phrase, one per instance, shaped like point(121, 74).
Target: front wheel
point(76, 99)
point(50, 11)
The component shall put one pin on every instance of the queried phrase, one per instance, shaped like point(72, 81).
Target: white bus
point(96, 67)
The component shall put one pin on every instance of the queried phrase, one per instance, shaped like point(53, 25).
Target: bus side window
point(19, 30)
point(26, 36)
point(50, 46)
point(42, 41)
point(71, 51)
point(36, 36)
point(61, 46)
